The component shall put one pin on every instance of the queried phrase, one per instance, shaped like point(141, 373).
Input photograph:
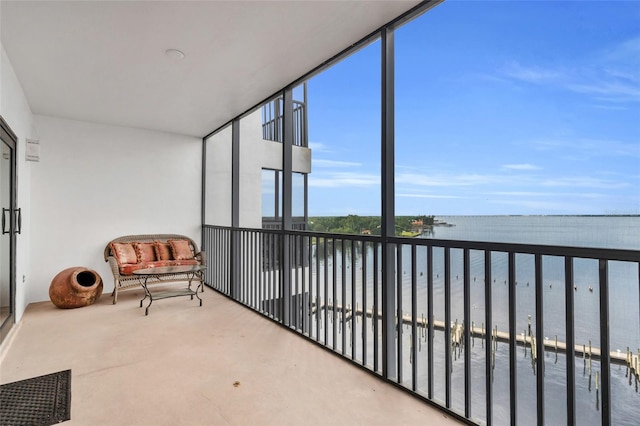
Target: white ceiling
point(105, 62)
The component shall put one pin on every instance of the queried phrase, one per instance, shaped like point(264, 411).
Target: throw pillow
point(145, 252)
point(181, 249)
point(163, 250)
point(124, 253)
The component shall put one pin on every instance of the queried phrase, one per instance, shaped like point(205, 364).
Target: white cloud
point(318, 147)
point(610, 76)
point(524, 166)
point(608, 91)
point(335, 163)
point(584, 182)
point(586, 147)
point(530, 74)
point(590, 195)
point(407, 195)
point(446, 180)
point(626, 51)
point(345, 179)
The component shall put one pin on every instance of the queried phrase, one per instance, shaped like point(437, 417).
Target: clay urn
point(75, 287)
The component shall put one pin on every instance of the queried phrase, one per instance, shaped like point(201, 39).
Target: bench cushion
point(127, 269)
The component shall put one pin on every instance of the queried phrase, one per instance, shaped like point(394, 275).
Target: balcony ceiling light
point(174, 53)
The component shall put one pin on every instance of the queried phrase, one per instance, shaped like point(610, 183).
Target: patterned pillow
point(163, 250)
point(124, 253)
point(181, 249)
point(145, 252)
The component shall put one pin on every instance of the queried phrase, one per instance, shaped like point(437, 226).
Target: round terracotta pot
point(75, 287)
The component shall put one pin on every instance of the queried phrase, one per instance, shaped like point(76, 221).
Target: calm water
point(617, 232)
point(595, 232)
point(578, 231)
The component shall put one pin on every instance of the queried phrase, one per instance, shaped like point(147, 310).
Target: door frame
point(9, 137)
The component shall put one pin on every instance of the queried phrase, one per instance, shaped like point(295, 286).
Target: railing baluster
point(299, 312)
point(364, 303)
point(265, 265)
point(488, 307)
point(430, 321)
point(604, 342)
point(539, 338)
point(309, 271)
point(326, 292)
point(221, 253)
point(242, 266)
point(318, 295)
point(252, 262)
point(245, 267)
point(257, 269)
point(272, 279)
point(414, 319)
point(376, 265)
point(343, 301)
point(334, 287)
point(215, 248)
point(353, 300)
point(570, 344)
point(262, 291)
point(513, 366)
point(447, 326)
point(399, 316)
point(467, 334)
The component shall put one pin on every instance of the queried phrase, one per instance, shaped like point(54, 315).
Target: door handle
point(4, 221)
point(18, 221)
point(18, 229)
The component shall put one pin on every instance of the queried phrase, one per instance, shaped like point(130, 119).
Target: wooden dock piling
point(631, 360)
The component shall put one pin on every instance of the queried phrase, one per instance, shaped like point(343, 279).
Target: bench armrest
point(113, 263)
point(202, 258)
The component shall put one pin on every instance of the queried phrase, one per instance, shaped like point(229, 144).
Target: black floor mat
point(43, 400)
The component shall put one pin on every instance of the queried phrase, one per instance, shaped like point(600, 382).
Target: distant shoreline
point(538, 215)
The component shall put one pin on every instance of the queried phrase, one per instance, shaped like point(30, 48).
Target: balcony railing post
point(389, 361)
point(539, 336)
point(570, 337)
point(467, 331)
point(513, 363)
point(234, 265)
point(389, 354)
point(604, 342)
point(447, 327)
point(430, 319)
point(488, 318)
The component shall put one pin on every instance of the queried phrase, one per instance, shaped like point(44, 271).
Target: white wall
point(17, 113)
point(96, 182)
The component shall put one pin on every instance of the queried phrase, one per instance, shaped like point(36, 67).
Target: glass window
point(344, 137)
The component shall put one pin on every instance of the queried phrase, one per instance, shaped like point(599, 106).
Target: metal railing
point(514, 298)
point(299, 223)
point(272, 118)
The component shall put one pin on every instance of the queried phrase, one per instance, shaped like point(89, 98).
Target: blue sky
point(502, 107)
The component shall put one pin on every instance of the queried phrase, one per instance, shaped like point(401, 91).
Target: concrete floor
point(220, 364)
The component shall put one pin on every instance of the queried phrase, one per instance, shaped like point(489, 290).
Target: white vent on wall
point(33, 150)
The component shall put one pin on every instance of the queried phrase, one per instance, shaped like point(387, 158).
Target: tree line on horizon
point(354, 224)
